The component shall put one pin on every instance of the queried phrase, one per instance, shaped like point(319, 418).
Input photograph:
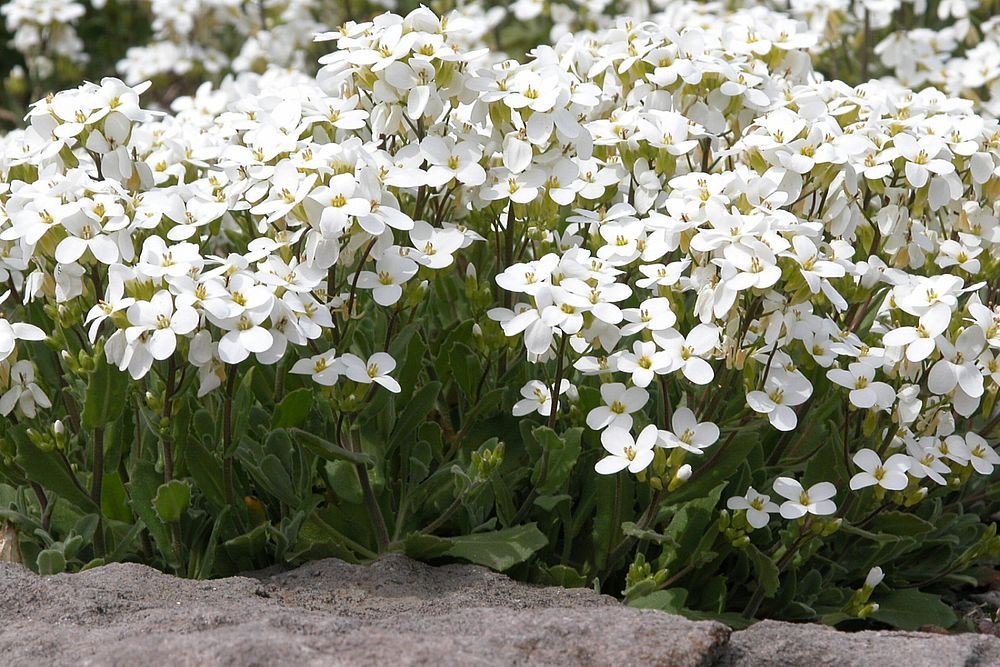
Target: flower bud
point(875, 577)
point(868, 610)
point(682, 475)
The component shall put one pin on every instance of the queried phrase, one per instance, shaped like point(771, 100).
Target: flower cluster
point(674, 235)
point(764, 226)
point(44, 29)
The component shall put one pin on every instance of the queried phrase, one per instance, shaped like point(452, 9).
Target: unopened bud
point(831, 527)
point(874, 578)
point(682, 475)
point(868, 610)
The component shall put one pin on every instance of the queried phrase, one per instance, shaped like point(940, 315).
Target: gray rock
point(400, 612)
point(395, 611)
point(775, 644)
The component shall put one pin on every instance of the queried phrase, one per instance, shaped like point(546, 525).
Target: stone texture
point(395, 611)
point(775, 644)
point(400, 612)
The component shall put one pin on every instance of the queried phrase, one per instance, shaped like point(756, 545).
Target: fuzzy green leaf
point(499, 550)
point(172, 500)
point(909, 609)
point(293, 409)
point(327, 450)
point(107, 389)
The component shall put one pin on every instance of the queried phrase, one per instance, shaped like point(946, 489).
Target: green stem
point(371, 502)
point(227, 436)
point(758, 595)
point(616, 516)
point(96, 490)
point(166, 439)
point(543, 474)
point(646, 519)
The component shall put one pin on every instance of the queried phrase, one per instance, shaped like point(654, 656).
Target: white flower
point(776, 401)
point(325, 368)
point(890, 475)
point(925, 460)
point(865, 392)
point(685, 353)
point(376, 370)
point(919, 341)
point(159, 324)
point(981, 455)
point(391, 272)
point(245, 335)
point(23, 392)
point(10, 333)
point(758, 507)
point(619, 404)
point(538, 398)
point(957, 367)
point(644, 363)
point(814, 500)
point(688, 433)
point(624, 452)
point(921, 156)
point(874, 577)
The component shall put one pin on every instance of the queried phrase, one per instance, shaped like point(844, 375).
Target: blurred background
point(48, 45)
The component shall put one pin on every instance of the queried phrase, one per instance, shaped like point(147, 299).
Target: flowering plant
point(660, 311)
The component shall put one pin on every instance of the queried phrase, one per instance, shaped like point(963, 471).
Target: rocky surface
point(775, 644)
point(400, 612)
point(395, 611)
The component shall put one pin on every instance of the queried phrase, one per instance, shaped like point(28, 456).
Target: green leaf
point(563, 575)
point(631, 530)
point(425, 547)
point(689, 526)
point(327, 450)
point(416, 411)
point(242, 403)
point(721, 470)
point(671, 600)
point(499, 550)
point(144, 481)
point(549, 503)
point(50, 470)
point(247, 550)
point(275, 479)
point(106, 392)
point(764, 567)
point(901, 523)
point(206, 470)
point(293, 409)
point(412, 359)
point(125, 545)
point(51, 561)
point(909, 609)
point(563, 453)
point(208, 560)
point(172, 500)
